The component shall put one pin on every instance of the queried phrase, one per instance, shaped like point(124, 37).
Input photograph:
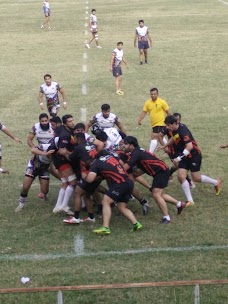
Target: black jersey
point(146, 161)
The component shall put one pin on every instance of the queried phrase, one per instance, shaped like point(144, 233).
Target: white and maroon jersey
point(109, 122)
point(38, 160)
point(142, 33)
point(114, 137)
point(43, 137)
point(2, 127)
point(46, 7)
point(118, 57)
point(93, 20)
point(51, 91)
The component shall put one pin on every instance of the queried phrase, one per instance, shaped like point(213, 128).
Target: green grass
point(188, 64)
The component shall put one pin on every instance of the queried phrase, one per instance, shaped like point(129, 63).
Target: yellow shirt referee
point(158, 109)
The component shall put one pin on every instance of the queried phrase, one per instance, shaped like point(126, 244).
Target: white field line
point(86, 24)
point(87, 12)
point(84, 68)
point(86, 32)
point(83, 114)
point(79, 244)
point(85, 56)
point(43, 257)
point(226, 3)
point(84, 89)
point(87, 7)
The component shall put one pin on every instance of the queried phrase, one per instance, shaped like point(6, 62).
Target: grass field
point(188, 64)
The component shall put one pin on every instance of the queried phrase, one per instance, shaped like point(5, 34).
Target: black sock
point(76, 214)
point(143, 201)
point(91, 215)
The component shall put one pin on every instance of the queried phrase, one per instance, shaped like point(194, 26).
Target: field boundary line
point(226, 3)
point(43, 257)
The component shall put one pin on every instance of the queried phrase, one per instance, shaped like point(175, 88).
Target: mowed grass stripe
point(80, 253)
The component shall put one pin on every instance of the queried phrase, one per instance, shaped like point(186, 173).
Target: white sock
point(60, 198)
point(164, 140)
point(153, 145)
point(186, 188)
point(166, 217)
point(178, 204)
point(69, 191)
point(206, 179)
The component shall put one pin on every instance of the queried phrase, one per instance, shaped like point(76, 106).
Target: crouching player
point(39, 166)
point(119, 189)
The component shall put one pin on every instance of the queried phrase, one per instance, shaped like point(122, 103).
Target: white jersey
point(118, 57)
point(43, 137)
point(50, 91)
point(103, 122)
point(93, 19)
point(39, 160)
point(114, 137)
point(142, 33)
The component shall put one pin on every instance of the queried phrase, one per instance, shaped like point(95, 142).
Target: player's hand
point(4, 171)
point(62, 151)
point(139, 123)
point(50, 152)
point(64, 105)
point(159, 148)
point(41, 106)
point(17, 140)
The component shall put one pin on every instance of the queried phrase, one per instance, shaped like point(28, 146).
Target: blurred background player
point(50, 89)
point(157, 109)
point(10, 134)
point(94, 29)
point(47, 14)
point(115, 66)
point(142, 35)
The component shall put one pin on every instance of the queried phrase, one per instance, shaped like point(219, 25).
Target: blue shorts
point(116, 71)
point(143, 45)
point(46, 12)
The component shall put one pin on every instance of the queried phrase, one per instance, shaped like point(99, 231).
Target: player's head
point(96, 129)
point(68, 121)
point(171, 123)
point(105, 109)
point(93, 11)
point(130, 143)
point(154, 93)
point(47, 79)
point(119, 45)
point(79, 128)
point(102, 136)
point(177, 116)
point(55, 122)
point(141, 23)
point(80, 138)
point(44, 121)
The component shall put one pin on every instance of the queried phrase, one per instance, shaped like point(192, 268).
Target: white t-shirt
point(43, 137)
point(109, 122)
point(118, 57)
point(142, 33)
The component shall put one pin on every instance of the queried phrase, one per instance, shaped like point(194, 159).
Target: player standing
point(144, 40)
point(94, 29)
point(115, 66)
point(50, 89)
point(47, 14)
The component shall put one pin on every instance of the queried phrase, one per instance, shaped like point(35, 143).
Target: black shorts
point(116, 71)
point(88, 187)
point(143, 45)
point(120, 192)
point(192, 164)
point(157, 129)
point(161, 180)
point(42, 172)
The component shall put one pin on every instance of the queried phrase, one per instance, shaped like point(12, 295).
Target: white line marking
point(83, 114)
point(223, 2)
point(86, 24)
point(79, 245)
point(42, 257)
point(86, 18)
point(84, 89)
point(84, 68)
point(87, 7)
point(85, 55)
point(86, 32)
point(87, 12)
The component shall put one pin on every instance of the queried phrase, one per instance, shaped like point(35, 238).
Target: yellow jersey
point(157, 110)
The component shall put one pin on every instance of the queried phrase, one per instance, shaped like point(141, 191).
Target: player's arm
point(30, 140)
point(89, 125)
point(142, 115)
point(40, 99)
point(62, 92)
point(91, 177)
point(112, 61)
point(124, 61)
point(121, 127)
point(169, 143)
point(11, 135)
point(126, 167)
point(185, 153)
point(149, 37)
point(99, 144)
point(37, 151)
point(136, 37)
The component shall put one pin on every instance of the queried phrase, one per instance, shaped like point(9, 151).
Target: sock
point(60, 197)
point(22, 199)
point(206, 179)
point(178, 204)
point(153, 145)
point(69, 191)
point(45, 196)
point(143, 201)
point(91, 215)
point(186, 188)
point(166, 217)
point(76, 214)
point(188, 179)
